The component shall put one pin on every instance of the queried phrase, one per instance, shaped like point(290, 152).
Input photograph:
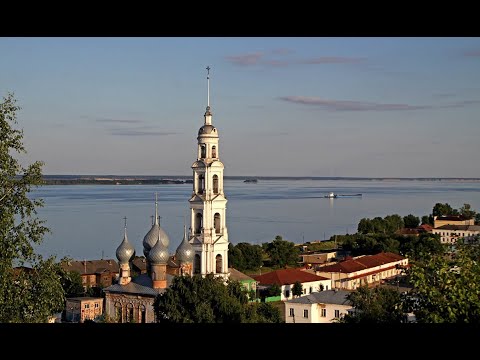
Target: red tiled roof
point(286, 277)
point(362, 263)
point(426, 227)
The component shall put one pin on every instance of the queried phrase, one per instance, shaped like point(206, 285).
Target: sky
point(283, 106)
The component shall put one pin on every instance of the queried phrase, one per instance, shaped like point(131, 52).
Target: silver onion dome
point(125, 252)
point(152, 236)
point(158, 254)
point(208, 130)
point(185, 251)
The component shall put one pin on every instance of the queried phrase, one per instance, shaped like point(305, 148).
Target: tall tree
point(411, 221)
point(245, 256)
point(25, 295)
point(282, 252)
point(443, 209)
point(467, 211)
point(297, 289)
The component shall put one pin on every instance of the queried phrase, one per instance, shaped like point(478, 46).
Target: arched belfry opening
point(198, 223)
point(201, 183)
point(215, 184)
point(196, 264)
point(216, 222)
point(203, 151)
point(219, 263)
point(214, 151)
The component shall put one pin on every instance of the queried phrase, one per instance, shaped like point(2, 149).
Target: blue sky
point(372, 107)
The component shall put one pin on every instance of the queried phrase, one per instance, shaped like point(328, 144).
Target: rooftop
point(238, 275)
point(362, 263)
point(338, 297)
point(91, 266)
point(287, 277)
point(459, 227)
point(141, 285)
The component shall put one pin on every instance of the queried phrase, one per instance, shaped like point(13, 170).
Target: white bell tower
point(208, 227)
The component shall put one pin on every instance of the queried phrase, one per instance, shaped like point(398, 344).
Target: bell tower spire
point(208, 113)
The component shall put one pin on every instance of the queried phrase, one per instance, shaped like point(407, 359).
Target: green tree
point(411, 221)
point(467, 211)
point(25, 295)
point(393, 223)
point(207, 299)
point(375, 305)
point(273, 290)
point(427, 220)
point(247, 256)
point(447, 290)
point(420, 248)
point(72, 284)
point(297, 289)
point(443, 209)
point(282, 252)
point(235, 258)
point(365, 226)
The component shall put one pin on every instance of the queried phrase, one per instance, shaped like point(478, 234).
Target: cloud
point(120, 121)
point(131, 132)
point(459, 104)
point(445, 95)
point(347, 105)
point(282, 51)
point(472, 53)
point(276, 62)
point(245, 59)
point(331, 60)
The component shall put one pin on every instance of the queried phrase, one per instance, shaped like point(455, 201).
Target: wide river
point(86, 221)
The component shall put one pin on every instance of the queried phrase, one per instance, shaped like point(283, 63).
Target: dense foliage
point(375, 305)
point(447, 289)
point(32, 292)
point(245, 256)
point(281, 252)
point(297, 289)
point(200, 299)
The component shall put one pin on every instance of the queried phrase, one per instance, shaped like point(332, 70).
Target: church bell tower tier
point(208, 227)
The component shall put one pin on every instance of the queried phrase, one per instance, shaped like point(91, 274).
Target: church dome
point(155, 233)
point(125, 252)
point(158, 254)
point(185, 251)
point(207, 130)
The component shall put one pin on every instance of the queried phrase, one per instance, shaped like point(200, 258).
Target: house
point(94, 273)
point(439, 221)
point(79, 309)
point(450, 233)
point(361, 270)
point(247, 282)
point(312, 260)
point(286, 278)
point(318, 307)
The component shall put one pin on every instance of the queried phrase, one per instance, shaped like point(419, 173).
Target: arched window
point(201, 183)
point(215, 184)
point(143, 314)
point(216, 222)
point(203, 151)
point(130, 313)
point(118, 312)
point(196, 264)
point(218, 260)
point(198, 223)
point(214, 151)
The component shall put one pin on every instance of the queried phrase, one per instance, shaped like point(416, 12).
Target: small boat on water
point(334, 196)
point(250, 181)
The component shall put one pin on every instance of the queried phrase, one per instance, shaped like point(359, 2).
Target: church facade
point(203, 250)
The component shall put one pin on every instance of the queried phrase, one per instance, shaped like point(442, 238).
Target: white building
point(318, 307)
point(361, 270)
point(286, 278)
point(450, 233)
point(208, 226)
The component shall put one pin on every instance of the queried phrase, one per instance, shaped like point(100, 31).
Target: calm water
point(87, 220)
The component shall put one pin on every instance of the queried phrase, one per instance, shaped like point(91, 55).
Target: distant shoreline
point(182, 179)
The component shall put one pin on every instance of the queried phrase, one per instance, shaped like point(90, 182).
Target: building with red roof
point(285, 278)
point(362, 270)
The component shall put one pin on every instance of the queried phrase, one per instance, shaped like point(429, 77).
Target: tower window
point(201, 183)
point(218, 260)
point(215, 184)
point(196, 264)
point(198, 223)
point(203, 151)
point(143, 313)
point(216, 222)
point(214, 151)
